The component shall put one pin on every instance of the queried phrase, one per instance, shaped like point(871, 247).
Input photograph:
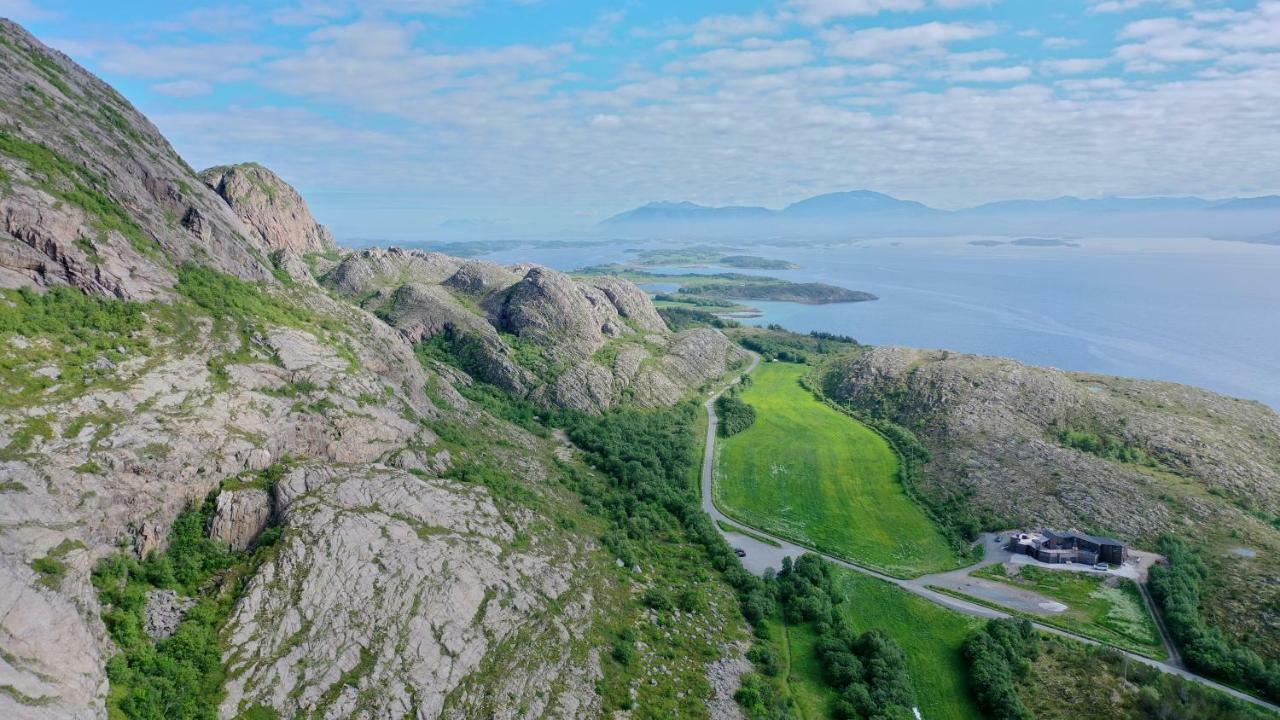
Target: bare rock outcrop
point(93, 195)
point(388, 591)
point(584, 343)
point(270, 207)
point(165, 610)
point(241, 516)
point(549, 309)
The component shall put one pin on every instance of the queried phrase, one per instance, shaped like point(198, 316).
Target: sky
point(411, 119)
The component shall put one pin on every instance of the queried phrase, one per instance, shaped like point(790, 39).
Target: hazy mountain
point(864, 212)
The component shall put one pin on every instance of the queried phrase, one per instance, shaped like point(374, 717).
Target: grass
point(930, 634)
point(801, 675)
point(816, 476)
point(730, 527)
point(1113, 615)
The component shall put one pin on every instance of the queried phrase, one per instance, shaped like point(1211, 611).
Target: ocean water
point(1193, 311)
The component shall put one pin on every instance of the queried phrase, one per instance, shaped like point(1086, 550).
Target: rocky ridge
point(92, 195)
point(586, 344)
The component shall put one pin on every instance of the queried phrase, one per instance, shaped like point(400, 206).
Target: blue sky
point(395, 116)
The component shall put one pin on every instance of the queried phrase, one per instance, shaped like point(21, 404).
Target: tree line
point(1176, 588)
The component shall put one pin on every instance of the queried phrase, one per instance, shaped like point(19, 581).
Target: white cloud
point(755, 54)
point(816, 12)
point(885, 43)
point(1120, 6)
point(208, 62)
point(24, 11)
point(183, 88)
point(1073, 66)
point(1014, 73)
point(218, 19)
point(1060, 43)
point(717, 29)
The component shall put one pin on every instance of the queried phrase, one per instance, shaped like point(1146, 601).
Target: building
point(1052, 546)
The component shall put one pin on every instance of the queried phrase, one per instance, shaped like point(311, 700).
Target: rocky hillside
point(1020, 445)
point(276, 213)
point(218, 477)
point(91, 195)
point(585, 344)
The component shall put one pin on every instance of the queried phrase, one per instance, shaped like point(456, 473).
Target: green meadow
point(930, 635)
point(1113, 613)
point(807, 472)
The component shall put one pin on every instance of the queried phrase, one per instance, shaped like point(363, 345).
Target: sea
point(1187, 310)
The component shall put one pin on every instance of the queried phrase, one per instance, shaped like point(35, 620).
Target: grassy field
point(930, 634)
point(809, 473)
point(1115, 615)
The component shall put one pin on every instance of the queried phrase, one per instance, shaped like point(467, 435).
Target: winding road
point(761, 555)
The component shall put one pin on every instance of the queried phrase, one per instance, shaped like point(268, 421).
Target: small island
point(1027, 242)
point(729, 287)
point(706, 255)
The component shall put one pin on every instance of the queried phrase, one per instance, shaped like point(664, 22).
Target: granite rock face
point(241, 516)
point(585, 344)
point(383, 613)
point(270, 207)
point(91, 194)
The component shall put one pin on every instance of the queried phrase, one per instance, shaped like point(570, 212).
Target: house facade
point(1052, 546)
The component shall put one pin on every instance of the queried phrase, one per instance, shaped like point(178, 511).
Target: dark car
point(739, 552)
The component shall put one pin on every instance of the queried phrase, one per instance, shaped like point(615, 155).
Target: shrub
point(734, 415)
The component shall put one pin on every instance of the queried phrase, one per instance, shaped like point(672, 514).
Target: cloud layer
point(398, 114)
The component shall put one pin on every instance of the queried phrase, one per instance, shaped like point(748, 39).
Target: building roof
point(1095, 539)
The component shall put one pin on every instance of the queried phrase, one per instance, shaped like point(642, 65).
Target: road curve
point(761, 555)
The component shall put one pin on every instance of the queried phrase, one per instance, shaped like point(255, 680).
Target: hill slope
point(1015, 445)
point(223, 487)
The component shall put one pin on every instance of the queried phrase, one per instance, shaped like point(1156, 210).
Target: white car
point(1101, 566)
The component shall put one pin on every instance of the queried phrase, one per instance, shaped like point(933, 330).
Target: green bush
point(734, 415)
point(997, 654)
point(1176, 588)
point(1105, 446)
point(180, 677)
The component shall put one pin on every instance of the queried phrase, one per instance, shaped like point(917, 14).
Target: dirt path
point(760, 555)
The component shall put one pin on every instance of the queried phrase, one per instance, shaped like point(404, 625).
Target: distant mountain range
point(863, 212)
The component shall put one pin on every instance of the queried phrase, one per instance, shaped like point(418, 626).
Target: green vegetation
point(737, 286)
point(1177, 589)
point(830, 668)
point(776, 343)
point(997, 655)
point(51, 567)
point(733, 414)
point(1106, 446)
point(809, 473)
point(701, 255)
point(950, 509)
point(648, 498)
point(76, 185)
point(682, 318)
point(932, 637)
point(68, 331)
point(1075, 680)
point(181, 676)
point(1107, 609)
point(730, 527)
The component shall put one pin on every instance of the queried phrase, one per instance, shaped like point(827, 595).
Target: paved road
point(762, 555)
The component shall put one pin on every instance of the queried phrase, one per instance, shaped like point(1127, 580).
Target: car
point(739, 552)
point(1101, 566)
